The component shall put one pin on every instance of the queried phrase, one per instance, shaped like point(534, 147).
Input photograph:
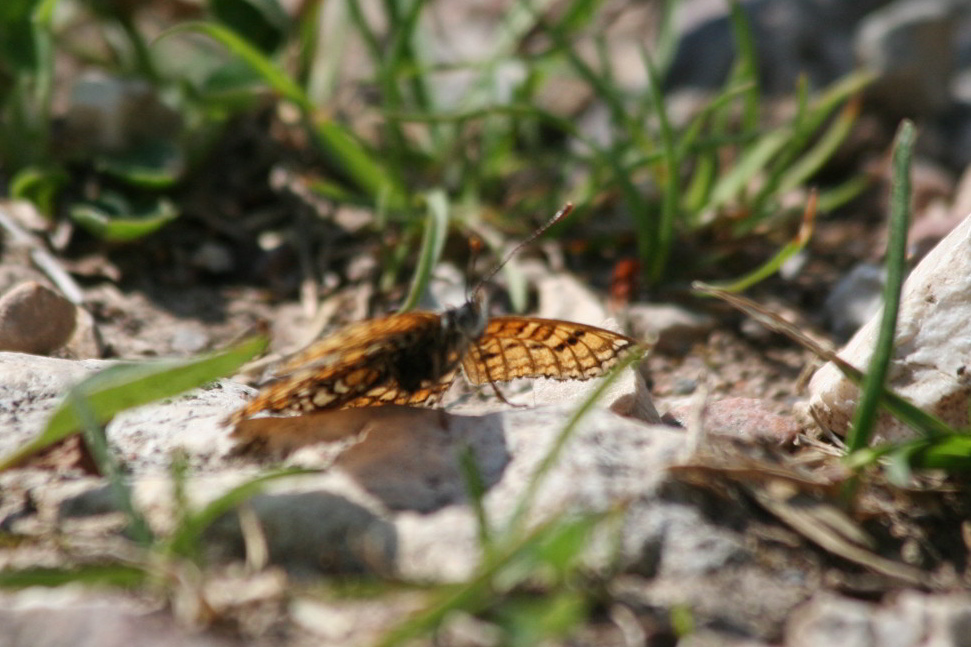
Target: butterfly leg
point(503, 398)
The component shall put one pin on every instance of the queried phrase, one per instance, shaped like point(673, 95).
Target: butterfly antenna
point(560, 215)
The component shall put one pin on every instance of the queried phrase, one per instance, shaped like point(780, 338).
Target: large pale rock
point(932, 346)
point(31, 387)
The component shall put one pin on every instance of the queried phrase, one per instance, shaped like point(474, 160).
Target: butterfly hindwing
point(513, 347)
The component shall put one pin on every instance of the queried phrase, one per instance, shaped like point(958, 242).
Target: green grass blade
point(950, 452)
point(672, 185)
point(276, 78)
point(341, 148)
point(475, 490)
point(90, 575)
point(746, 66)
point(129, 385)
point(185, 540)
point(432, 244)
point(815, 157)
point(521, 554)
point(772, 266)
point(355, 162)
point(97, 444)
point(866, 411)
point(753, 162)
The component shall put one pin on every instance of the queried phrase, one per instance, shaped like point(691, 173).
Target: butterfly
point(412, 358)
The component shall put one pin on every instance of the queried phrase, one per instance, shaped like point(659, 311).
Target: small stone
point(189, 339)
point(854, 300)
point(675, 329)
point(34, 319)
point(745, 419)
point(214, 258)
point(909, 45)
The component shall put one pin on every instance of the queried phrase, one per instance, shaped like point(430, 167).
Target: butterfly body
point(412, 358)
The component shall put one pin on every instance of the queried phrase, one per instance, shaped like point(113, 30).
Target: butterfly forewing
point(513, 347)
point(365, 364)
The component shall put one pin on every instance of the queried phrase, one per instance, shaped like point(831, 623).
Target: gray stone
point(855, 299)
point(675, 328)
point(792, 37)
point(909, 45)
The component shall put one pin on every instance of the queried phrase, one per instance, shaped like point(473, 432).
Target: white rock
point(932, 348)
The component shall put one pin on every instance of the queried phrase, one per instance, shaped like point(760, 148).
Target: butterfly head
point(469, 319)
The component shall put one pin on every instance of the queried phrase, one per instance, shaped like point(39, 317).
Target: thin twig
point(43, 259)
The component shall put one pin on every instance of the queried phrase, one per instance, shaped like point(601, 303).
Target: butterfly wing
point(355, 367)
point(512, 347)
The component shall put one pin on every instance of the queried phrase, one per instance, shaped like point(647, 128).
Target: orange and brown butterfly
point(412, 358)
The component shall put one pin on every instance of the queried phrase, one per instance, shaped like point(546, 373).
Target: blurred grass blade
point(184, 541)
point(263, 23)
point(839, 195)
point(97, 443)
point(124, 386)
point(356, 163)
point(432, 244)
point(866, 410)
point(522, 554)
point(39, 185)
point(116, 575)
point(753, 162)
point(342, 148)
point(824, 148)
point(950, 452)
point(746, 65)
point(236, 44)
point(772, 266)
point(475, 490)
point(672, 186)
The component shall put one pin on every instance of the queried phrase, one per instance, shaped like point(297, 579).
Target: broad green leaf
point(39, 186)
point(154, 166)
point(113, 223)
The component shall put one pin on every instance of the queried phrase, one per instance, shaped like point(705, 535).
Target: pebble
point(676, 329)
point(743, 418)
point(35, 319)
point(854, 299)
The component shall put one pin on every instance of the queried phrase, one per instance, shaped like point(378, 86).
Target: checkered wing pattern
point(513, 347)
